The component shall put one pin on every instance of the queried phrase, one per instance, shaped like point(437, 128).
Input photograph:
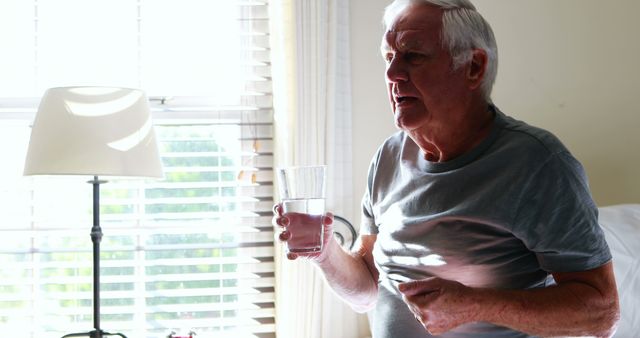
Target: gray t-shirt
point(504, 215)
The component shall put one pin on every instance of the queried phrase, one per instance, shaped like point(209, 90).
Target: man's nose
point(396, 71)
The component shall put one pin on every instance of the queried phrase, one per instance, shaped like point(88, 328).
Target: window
point(191, 252)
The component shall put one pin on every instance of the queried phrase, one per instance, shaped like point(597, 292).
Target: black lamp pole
point(96, 237)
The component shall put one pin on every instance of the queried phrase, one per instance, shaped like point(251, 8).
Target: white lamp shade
point(93, 131)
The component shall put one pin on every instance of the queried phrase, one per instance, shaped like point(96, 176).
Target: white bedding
point(621, 224)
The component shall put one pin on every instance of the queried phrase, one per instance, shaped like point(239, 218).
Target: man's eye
point(388, 58)
point(415, 57)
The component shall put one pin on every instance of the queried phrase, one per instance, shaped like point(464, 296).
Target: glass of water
point(302, 193)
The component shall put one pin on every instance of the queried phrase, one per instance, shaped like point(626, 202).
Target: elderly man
point(474, 224)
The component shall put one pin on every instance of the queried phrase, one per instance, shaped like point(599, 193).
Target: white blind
point(191, 252)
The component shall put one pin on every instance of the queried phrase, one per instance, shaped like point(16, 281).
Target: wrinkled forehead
point(405, 40)
point(413, 27)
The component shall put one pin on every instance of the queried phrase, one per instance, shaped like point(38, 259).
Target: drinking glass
point(302, 192)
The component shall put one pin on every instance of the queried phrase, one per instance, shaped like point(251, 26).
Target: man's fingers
point(421, 299)
point(291, 256)
point(277, 214)
point(284, 236)
point(327, 219)
point(277, 209)
point(419, 287)
point(282, 221)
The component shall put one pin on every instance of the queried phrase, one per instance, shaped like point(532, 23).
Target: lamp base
point(93, 334)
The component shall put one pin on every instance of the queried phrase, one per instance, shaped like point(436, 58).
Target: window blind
point(193, 251)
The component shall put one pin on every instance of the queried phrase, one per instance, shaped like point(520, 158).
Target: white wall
point(372, 118)
point(569, 66)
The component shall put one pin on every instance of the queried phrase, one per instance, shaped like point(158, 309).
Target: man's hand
point(583, 303)
point(438, 304)
point(285, 221)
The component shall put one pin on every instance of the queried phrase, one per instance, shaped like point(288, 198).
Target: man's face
point(424, 91)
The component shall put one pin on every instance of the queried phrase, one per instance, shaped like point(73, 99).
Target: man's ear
point(476, 69)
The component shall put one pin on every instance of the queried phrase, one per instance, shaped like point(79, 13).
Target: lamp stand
point(96, 237)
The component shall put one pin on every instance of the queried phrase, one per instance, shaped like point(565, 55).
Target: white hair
point(463, 29)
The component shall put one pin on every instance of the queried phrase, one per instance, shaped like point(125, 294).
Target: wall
point(571, 66)
point(568, 66)
point(372, 119)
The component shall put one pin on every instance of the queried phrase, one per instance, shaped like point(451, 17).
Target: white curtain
point(311, 77)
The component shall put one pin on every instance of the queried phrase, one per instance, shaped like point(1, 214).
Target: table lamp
point(94, 131)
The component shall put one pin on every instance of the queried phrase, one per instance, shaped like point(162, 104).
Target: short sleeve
point(368, 224)
point(558, 220)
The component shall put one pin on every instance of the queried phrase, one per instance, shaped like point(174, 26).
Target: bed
point(621, 224)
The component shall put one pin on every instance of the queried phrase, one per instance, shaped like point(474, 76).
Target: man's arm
point(581, 304)
point(352, 275)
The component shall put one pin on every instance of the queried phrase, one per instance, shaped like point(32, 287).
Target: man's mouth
point(404, 99)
